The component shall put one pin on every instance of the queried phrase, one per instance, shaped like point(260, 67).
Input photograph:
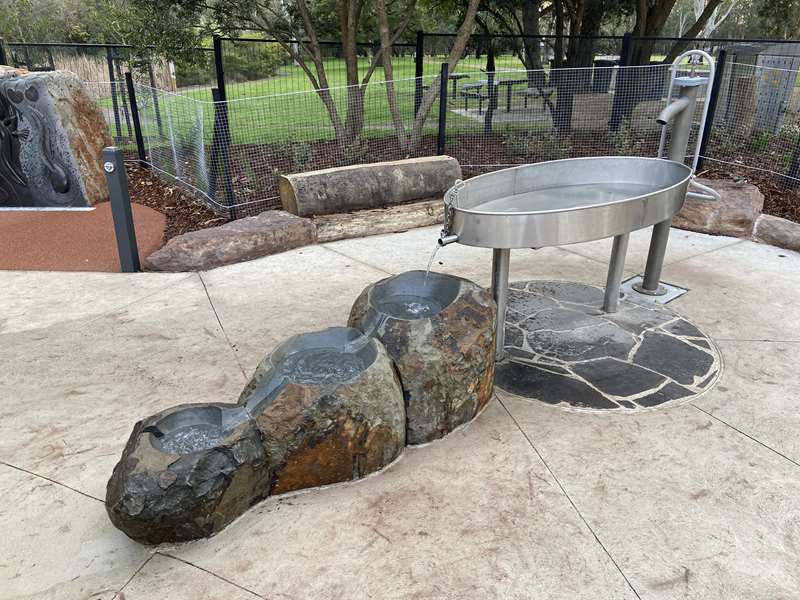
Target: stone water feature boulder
point(51, 138)
point(322, 408)
point(441, 335)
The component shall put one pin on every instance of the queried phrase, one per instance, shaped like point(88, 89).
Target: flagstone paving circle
point(564, 350)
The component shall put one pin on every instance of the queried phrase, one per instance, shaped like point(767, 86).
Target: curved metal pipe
point(672, 110)
point(709, 193)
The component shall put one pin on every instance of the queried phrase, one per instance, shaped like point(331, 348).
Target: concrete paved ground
point(528, 501)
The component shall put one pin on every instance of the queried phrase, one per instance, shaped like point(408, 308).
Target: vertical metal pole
point(490, 73)
point(124, 95)
point(419, 68)
point(713, 98)
point(114, 102)
point(137, 125)
point(156, 107)
point(616, 268)
point(501, 259)
point(440, 139)
point(681, 129)
point(793, 172)
point(220, 71)
point(223, 138)
point(117, 180)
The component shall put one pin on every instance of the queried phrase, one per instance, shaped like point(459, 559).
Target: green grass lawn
point(285, 108)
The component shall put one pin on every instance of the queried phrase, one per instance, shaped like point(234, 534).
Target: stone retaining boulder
point(374, 185)
point(734, 215)
point(777, 232)
point(53, 135)
point(270, 232)
point(322, 408)
point(441, 335)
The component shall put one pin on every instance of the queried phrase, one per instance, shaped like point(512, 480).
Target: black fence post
point(114, 102)
point(419, 69)
point(154, 94)
point(618, 106)
point(713, 98)
point(221, 150)
point(124, 97)
point(793, 173)
point(137, 124)
point(3, 57)
point(492, 89)
point(443, 81)
point(220, 70)
point(117, 180)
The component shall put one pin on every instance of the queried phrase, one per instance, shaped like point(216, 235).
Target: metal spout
point(447, 239)
point(672, 110)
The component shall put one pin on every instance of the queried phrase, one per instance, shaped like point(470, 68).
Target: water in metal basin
point(565, 197)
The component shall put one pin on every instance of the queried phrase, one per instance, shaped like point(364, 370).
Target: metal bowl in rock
point(322, 408)
point(439, 330)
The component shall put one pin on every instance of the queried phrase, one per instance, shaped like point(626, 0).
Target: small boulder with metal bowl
point(322, 408)
point(440, 332)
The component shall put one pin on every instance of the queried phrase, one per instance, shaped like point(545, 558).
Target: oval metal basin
point(566, 201)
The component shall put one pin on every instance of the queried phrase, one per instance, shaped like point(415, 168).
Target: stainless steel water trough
point(582, 199)
point(563, 202)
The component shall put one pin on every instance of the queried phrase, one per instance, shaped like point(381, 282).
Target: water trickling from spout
point(430, 262)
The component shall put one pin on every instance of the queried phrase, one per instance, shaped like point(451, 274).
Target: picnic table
point(473, 90)
point(454, 78)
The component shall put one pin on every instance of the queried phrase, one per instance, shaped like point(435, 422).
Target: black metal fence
point(247, 112)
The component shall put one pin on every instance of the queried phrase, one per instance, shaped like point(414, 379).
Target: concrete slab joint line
point(568, 497)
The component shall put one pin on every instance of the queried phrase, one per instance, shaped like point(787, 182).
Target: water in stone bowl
point(196, 428)
point(329, 357)
point(414, 295)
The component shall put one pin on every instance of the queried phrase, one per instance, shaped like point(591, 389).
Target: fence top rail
point(323, 43)
point(548, 36)
point(715, 40)
point(765, 67)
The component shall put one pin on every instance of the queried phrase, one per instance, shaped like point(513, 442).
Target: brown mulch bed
point(254, 168)
point(184, 213)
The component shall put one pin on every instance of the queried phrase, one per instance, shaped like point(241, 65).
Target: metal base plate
point(631, 295)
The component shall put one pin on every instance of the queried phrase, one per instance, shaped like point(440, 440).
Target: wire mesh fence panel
point(517, 117)
point(756, 129)
point(306, 131)
point(178, 133)
point(231, 154)
point(513, 53)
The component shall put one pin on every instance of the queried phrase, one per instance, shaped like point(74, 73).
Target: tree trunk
point(533, 44)
point(388, 71)
point(693, 31)
point(456, 52)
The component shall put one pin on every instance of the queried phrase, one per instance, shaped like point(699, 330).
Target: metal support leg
point(501, 258)
point(655, 261)
point(616, 268)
